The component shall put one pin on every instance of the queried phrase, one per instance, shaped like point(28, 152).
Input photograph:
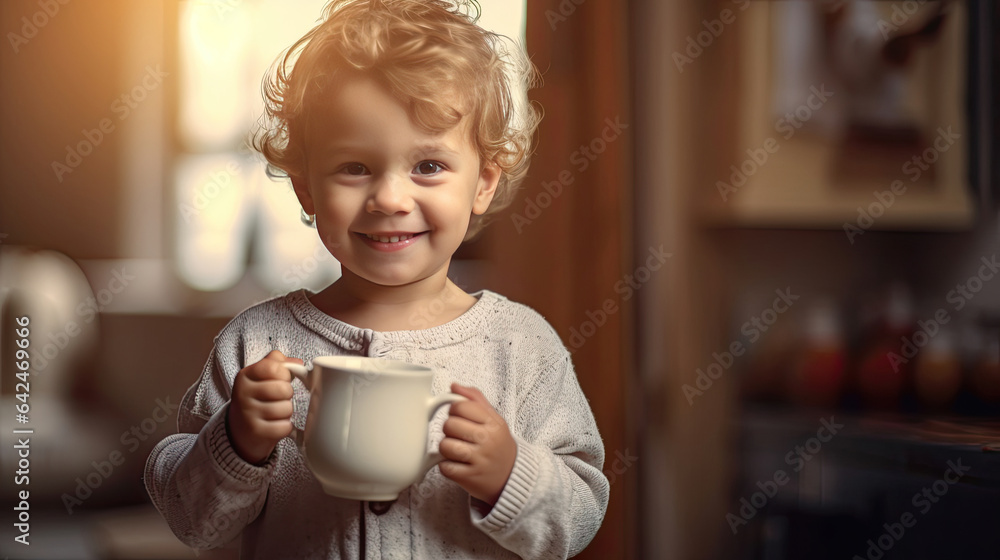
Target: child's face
point(392, 202)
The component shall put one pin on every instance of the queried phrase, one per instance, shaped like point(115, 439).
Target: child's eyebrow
point(434, 149)
point(421, 151)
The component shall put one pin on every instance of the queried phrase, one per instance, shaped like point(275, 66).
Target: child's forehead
point(415, 91)
point(362, 99)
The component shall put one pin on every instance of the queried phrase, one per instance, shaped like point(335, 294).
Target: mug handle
point(433, 405)
point(302, 373)
point(437, 402)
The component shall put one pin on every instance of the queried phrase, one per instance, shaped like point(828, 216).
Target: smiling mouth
point(395, 238)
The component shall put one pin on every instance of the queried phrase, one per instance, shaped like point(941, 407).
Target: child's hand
point(260, 412)
point(478, 449)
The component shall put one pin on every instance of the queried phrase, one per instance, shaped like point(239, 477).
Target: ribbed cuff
point(220, 448)
point(515, 494)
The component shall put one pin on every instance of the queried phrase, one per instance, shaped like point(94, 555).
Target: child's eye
point(429, 168)
point(354, 169)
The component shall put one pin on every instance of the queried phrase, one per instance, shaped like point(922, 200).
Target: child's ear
point(489, 178)
point(302, 193)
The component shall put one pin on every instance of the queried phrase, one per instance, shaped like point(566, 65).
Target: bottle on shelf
point(817, 378)
point(883, 372)
point(984, 377)
point(937, 372)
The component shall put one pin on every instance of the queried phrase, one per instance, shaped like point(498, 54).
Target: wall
point(77, 102)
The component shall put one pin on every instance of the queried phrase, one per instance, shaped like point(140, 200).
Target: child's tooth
point(393, 239)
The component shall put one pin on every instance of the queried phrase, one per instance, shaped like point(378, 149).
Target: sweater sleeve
point(556, 495)
point(206, 492)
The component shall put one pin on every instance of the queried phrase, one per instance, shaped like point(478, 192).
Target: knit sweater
point(551, 507)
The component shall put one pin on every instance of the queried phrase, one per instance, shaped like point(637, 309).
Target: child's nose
point(389, 195)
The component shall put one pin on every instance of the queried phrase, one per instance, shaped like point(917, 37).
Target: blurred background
point(768, 232)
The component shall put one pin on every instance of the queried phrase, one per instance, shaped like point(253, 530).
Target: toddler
point(397, 123)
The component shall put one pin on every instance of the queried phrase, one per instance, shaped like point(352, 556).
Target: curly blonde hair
point(433, 58)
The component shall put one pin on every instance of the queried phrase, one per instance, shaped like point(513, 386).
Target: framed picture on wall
point(861, 108)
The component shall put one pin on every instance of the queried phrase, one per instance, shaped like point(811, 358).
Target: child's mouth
point(390, 241)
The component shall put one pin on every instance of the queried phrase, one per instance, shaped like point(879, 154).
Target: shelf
point(905, 444)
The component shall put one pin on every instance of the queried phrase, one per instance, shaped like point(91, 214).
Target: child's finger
point(268, 369)
point(273, 429)
point(455, 470)
point(471, 393)
point(277, 410)
point(466, 430)
point(278, 356)
point(456, 450)
point(477, 408)
point(273, 390)
point(470, 410)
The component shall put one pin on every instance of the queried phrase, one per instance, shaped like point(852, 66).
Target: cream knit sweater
point(551, 507)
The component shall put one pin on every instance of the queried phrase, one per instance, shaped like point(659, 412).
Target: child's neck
point(421, 305)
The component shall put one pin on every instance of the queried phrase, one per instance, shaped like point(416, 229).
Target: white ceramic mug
point(366, 431)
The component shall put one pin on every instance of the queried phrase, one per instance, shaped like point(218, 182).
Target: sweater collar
point(471, 323)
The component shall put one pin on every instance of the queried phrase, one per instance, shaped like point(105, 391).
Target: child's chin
point(393, 280)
